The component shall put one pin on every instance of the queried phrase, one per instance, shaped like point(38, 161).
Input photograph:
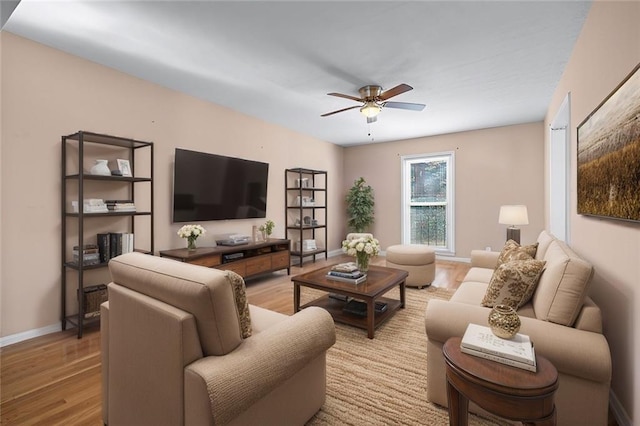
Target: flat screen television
point(215, 187)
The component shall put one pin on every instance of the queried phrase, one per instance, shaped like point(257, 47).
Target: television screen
point(215, 187)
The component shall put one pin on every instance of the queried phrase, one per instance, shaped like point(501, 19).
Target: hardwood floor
point(56, 379)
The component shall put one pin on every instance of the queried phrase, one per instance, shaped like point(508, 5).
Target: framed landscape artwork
point(609, 155)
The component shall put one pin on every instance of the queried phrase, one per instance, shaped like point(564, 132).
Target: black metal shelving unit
point(306, 184)
point(74, 225)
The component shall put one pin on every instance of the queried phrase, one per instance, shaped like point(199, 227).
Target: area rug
point(383, 381)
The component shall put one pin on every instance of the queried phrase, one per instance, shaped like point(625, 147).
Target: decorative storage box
point(94, 296)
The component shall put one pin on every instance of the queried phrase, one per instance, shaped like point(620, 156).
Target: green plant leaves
point(360, 206)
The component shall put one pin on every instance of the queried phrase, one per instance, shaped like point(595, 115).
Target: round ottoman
point(418, 260)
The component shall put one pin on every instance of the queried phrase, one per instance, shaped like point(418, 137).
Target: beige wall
point(493, 167)
point(607, 50)
point(47, 93)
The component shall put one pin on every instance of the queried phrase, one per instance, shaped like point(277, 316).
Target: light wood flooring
point(56, 379)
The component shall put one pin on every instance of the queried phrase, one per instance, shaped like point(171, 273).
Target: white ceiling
point(475, 64)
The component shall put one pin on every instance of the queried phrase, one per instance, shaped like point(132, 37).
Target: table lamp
point(513, 215)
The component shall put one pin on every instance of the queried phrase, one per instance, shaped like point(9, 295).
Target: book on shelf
point(358, 307)
point(86, 249)
point(115, 244)
point(120, 205)
point(500, 359)
point(481, 339)
point(358, 280)
point(87, 259)
point(112, 244)
point(104, 247)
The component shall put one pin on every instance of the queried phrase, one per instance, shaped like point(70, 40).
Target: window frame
point(405, 179)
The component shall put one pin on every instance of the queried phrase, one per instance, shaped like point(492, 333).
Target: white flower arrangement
point(363, 245)
point(191, 231)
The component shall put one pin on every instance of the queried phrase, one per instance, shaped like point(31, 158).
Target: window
point(427, 201)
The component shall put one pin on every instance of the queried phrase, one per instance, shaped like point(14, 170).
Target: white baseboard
point(622, 418)
point(29, 334)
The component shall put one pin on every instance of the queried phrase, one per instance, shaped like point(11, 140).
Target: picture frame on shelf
point(124, 167)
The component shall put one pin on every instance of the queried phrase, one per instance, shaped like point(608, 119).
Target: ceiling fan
point(374, 99)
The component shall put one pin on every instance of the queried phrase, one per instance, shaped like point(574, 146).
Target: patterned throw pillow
point(513, 283)
point(239, 291)
point(514, 251)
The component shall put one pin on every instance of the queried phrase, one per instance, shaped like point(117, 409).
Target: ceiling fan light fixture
point(370, 109)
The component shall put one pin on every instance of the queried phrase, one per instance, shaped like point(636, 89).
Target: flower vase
point(362, 260)
point(101, 168)
point(191, 243)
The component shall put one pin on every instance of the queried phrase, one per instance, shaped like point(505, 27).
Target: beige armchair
point(180, 346)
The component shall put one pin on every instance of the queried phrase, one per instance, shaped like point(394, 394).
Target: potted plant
point(360, 204)
point(267, 229)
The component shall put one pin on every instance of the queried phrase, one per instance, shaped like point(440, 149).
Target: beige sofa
point(181, 346)
point(564, 324)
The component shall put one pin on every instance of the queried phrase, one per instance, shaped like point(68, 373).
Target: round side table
point(505, 391)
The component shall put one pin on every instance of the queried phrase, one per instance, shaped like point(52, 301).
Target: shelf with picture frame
point(306, 212)
point(130, 177)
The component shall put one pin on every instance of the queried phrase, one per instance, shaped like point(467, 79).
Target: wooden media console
point(247, 260)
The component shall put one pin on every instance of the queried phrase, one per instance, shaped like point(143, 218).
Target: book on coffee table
point(357, 280)
point(345, 267)
point(352, 275)
point(479, 340)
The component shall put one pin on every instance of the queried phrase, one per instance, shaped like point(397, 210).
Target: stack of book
point(517, 352)
point(91, 205)
point(90, 255)
point(120, 205)
point(346, 272)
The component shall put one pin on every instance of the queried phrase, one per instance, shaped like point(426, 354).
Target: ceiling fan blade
point(340, 95)
point(340, 110)
point(404, 105)
point(394, 91)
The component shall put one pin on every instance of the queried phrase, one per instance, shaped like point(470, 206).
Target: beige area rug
point(383, 381)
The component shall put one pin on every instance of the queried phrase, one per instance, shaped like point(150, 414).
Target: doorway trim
point(560, 171)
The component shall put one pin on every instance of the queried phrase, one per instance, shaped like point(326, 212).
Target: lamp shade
point(513, 215)
point(370, 109)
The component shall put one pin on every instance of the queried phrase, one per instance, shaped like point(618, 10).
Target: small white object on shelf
point(101, 168)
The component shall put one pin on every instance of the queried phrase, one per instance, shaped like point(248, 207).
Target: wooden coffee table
point(379, 281)
point(503, 390)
